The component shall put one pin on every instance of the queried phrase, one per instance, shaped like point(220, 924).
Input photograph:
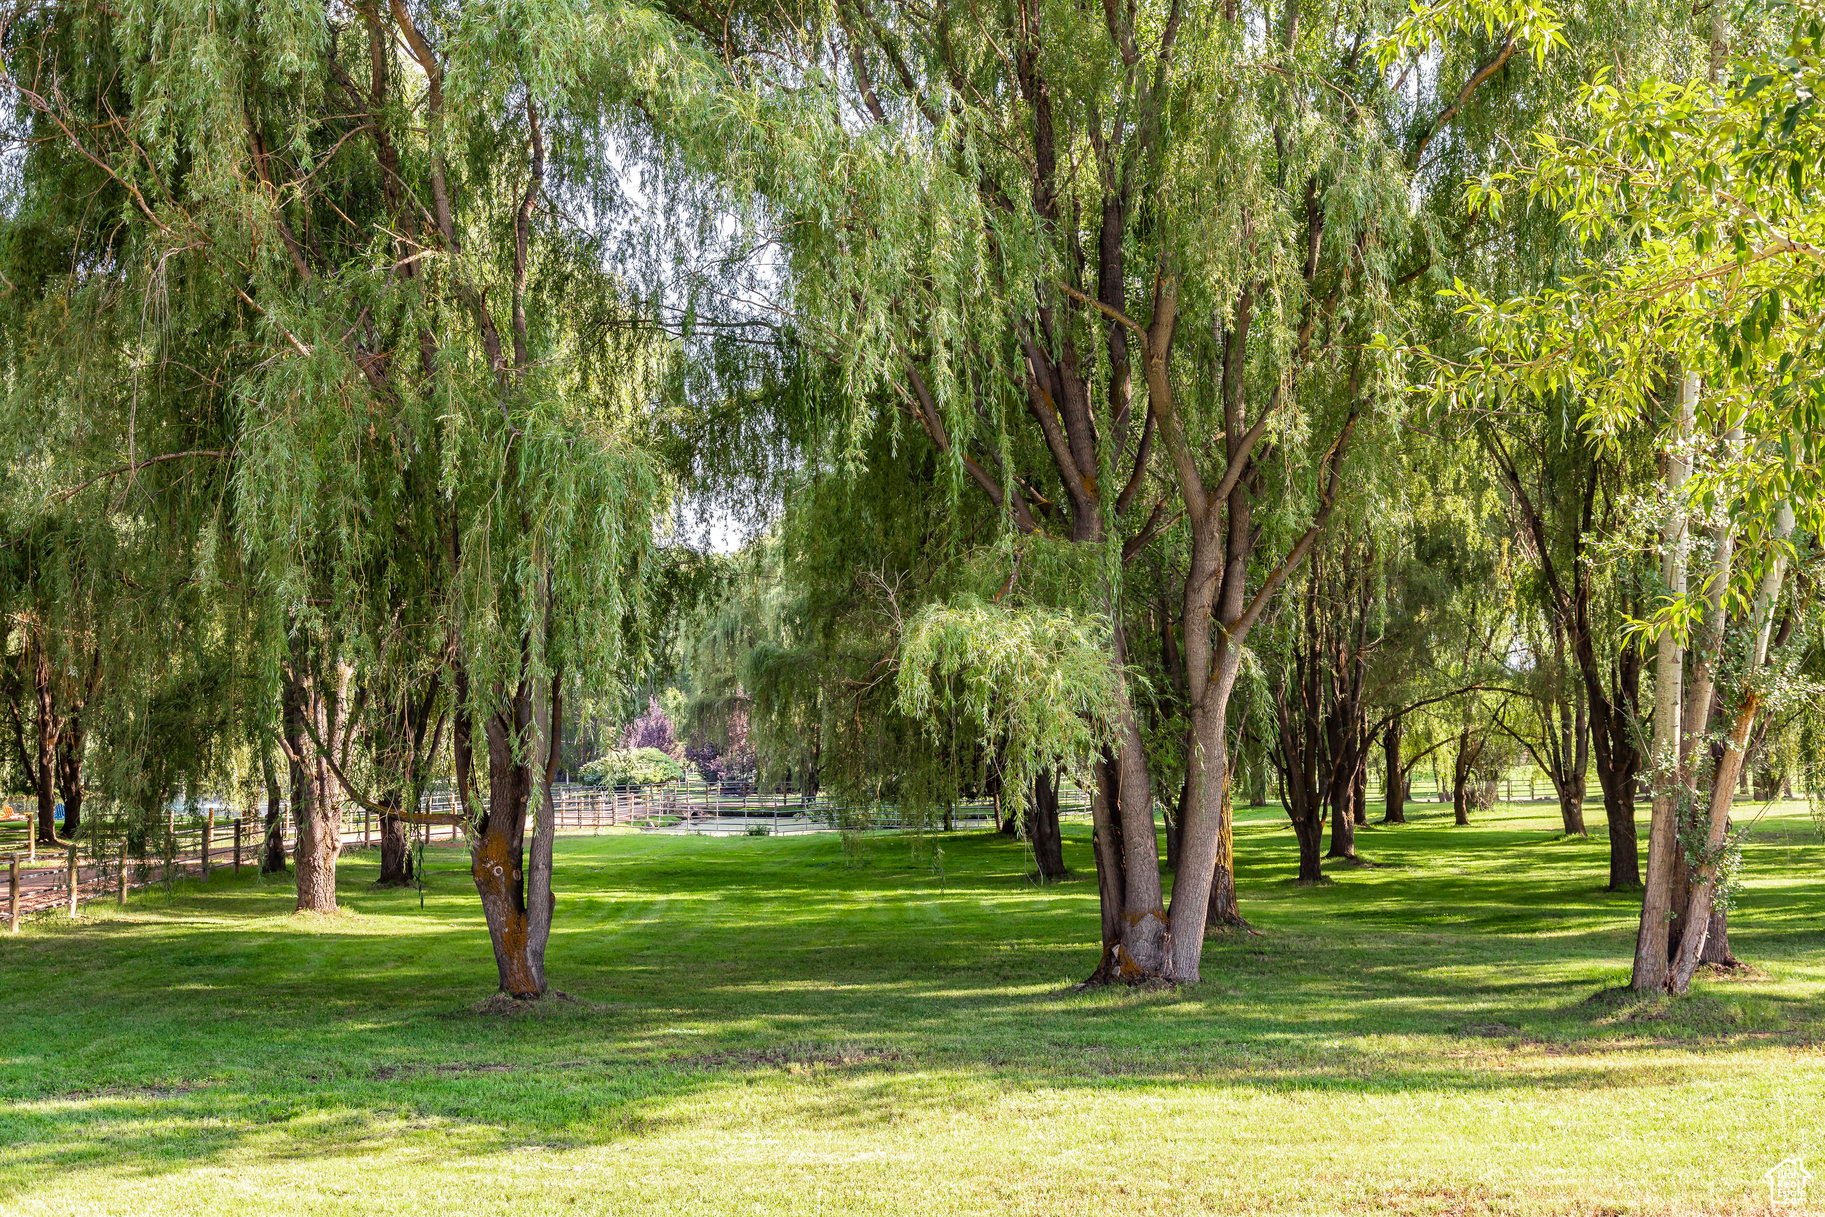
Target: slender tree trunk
point(44, 767)
point(1650, 972)
point(1702, 905)
point(1574, 749)
point(1396, 812)
point(1359, 789)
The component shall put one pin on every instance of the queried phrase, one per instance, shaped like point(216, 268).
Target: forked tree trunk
point(515, 889)
point(1461, 769)
point(1042, 826)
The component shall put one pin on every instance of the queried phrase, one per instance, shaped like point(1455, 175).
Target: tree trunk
point(1650, 972)
point(1144, 938)
point(1698, 918)
point(1106, 844)
point(1396, 812)
point(44, 767)
point(1225, 909)
point(317, 815)
point(69, 774)
point(1574, 745)
point(517, 901)
point(1042, 826)
point(395, 850)
point(1461, 769)
point(1359, 789)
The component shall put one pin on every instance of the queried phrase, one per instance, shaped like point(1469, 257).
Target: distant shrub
point(631, 767)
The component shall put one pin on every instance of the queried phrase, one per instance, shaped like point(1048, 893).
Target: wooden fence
point(99, 866)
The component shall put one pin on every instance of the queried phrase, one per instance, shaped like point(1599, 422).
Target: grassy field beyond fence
point(786, 1025)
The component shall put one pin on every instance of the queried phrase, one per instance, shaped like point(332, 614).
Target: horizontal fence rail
point(96, 866)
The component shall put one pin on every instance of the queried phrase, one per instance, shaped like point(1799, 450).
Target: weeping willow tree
point(344, 260)
point(1120, 268)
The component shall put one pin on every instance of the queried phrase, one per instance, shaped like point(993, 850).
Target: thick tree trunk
point(1396, 812)
point(1042, 826)
point(1310, 837)
point(316, 813)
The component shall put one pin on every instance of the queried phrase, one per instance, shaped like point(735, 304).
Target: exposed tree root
point(508, 1004)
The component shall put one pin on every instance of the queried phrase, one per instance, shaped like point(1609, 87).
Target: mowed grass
point(774, 1025)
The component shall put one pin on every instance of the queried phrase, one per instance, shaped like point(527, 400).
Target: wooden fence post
point(208, 840)
point(12, 894)
point(239, 824)
point(73, 876)
point(120, 879)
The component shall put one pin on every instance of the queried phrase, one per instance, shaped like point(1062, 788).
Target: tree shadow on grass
point(218, 1029)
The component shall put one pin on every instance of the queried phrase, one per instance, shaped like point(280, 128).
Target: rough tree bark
point(514, 886)
point(309, 708)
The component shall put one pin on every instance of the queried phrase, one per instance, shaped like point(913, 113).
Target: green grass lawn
point(774, 1025)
